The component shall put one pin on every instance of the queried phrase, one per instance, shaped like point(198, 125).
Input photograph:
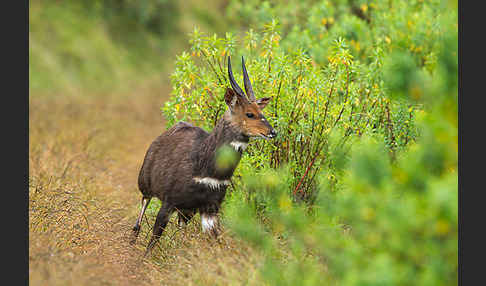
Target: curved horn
point(246, 80)
point(233, 83)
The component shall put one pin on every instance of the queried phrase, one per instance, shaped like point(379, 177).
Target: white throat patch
point(211, 182)
point(239, 145)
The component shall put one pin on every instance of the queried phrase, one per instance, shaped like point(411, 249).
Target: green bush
point(389, 223)
point(317, 109)
point(365, 104)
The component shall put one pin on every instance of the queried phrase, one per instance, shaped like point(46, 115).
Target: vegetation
point(365, 102)
point(95, 47)
point(359, 188)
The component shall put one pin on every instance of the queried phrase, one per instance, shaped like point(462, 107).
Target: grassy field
point(93, 112)
point(85, 154)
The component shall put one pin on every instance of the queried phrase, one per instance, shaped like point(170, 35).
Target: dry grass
point(85, 154)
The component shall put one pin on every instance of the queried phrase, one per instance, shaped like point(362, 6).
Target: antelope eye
point(250, 115)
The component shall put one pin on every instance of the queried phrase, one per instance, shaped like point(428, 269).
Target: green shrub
point(377, 219)
point(389, 223)
point(316, 108)
point(365, 104)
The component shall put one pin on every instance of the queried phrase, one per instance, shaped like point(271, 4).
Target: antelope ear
point(262, 102)
point(231, 98)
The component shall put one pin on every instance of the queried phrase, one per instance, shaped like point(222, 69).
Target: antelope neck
point(225, 133)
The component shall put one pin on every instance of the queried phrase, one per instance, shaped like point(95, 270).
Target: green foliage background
point(360, 187)
point(95, 47)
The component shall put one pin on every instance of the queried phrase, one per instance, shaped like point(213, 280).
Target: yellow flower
point(356, 45)
point(412, 47)
point(442, 227)
point(416, 92)
point(364, 8)
point(367, 213)
point(270, 180)
point(373, 238)
point(401, 176)
point(284, 203)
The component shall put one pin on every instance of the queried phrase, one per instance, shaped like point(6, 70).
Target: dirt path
point(85, 154)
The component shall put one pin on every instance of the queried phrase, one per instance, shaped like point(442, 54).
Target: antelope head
point(245, 110)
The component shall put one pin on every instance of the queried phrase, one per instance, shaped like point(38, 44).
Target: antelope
point(180, 168)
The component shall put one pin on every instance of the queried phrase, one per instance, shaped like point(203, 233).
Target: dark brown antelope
point(180, 165)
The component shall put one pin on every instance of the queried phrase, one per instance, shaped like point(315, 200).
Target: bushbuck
point(180, 166)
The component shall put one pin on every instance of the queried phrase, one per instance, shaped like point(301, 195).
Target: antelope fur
point(180, 167)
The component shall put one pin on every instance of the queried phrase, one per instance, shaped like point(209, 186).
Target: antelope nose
point(272, 134)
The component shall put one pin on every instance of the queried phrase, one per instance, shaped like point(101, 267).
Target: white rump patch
point(239, 145)
point(212, 182)
point(208, 222)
